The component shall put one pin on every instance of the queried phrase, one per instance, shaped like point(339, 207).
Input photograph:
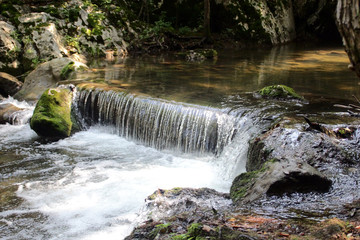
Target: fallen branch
point(352, 109)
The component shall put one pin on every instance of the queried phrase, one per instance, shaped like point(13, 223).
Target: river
point(92, 185)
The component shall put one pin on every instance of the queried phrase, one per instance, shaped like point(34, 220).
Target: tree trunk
point(348, 22)
point(207, 31)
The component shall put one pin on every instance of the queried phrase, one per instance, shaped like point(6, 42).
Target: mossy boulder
point(52, 114)
point(278, 177)
point(280, 92)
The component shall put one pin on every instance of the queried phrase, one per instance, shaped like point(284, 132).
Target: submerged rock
point(52, 114)
point(45, 76)
point(9, 85)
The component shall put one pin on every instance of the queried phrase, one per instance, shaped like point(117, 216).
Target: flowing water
point(173, 124)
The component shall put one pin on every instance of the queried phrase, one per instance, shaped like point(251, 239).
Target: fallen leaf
point(282, 234)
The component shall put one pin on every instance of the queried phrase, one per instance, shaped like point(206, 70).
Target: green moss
point(244, 181)
point(65, 72)
point(160, 229)
point(52, 114)
point(280, 91)
point(195, 232)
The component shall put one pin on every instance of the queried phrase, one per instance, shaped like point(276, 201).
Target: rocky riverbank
point(300, 184)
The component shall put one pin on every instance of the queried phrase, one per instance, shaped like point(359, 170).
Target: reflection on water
point(311, 72)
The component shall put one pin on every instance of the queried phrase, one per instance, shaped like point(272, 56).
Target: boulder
point(47, 75)
point(185, 213)
point(52, 114)
point(9, 85)
point(278, 177)
point(292, 159)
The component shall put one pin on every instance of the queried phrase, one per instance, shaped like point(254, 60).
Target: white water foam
point(101, 194)
point(23, 115)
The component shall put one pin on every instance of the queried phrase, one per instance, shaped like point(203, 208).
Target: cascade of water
point(22, 115)
point(158, 123)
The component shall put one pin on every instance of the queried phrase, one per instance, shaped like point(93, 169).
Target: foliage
point(73, 42)
point(160, 27)
point(65, 72)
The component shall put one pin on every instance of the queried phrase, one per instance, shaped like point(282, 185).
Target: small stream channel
point(92, 185)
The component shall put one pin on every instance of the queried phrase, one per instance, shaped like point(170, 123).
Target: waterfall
point(158, 123)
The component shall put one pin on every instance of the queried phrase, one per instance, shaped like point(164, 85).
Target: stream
point(93, 184)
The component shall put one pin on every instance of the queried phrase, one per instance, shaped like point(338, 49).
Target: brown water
point(316, 73)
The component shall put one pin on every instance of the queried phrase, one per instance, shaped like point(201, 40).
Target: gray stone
point(9, 47)
point(45, 76)
point(49, 42)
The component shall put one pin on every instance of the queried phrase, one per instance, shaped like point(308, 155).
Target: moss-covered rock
point(280, 91)
point(278, 177)
point(52, 114)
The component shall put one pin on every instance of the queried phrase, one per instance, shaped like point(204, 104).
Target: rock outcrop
point(33, 32)
point(52, 114)
point(10, 48)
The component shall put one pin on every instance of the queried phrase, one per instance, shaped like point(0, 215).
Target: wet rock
point(287, 159)
point(47, 75)
point(195, 204)
point(9, 85)
point(278, 177)
point(183, 213)
point(8, 113)
point(52, 114)
point(279, 92)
